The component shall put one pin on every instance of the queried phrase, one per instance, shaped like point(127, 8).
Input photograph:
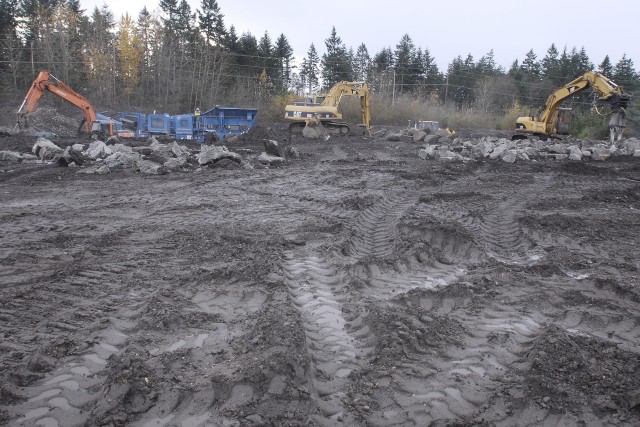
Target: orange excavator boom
point(48, 82)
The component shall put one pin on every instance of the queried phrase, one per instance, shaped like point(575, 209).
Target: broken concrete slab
point(98, 150)
point(498, 151)
point(600, 154)
point(11, 156)
point(151, 168)
point(419, 136)
point(95, 169)
point(71, 155)
point(510, 156)
point(128, 160)
point(45, 149)
point(427, 152)
point(211, 154)
point(394, 137)
point(482, 149)
point(431, 139)
point(274, 148)
point(268, 159)
point(175, 163)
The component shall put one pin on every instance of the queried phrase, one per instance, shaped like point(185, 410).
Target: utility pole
point(33, 68)
point(446, 90)
point(393, 92)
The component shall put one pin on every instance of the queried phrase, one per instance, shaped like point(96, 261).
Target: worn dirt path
point(355, 285)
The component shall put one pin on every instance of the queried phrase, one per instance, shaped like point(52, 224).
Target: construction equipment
point(325, 109)
point(429, 126)
point(93, 123)
point(215, 124)
point(553, 120)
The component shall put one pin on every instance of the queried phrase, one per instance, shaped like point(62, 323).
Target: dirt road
point(355, 285)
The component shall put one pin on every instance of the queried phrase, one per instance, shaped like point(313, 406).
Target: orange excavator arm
point(48, 82)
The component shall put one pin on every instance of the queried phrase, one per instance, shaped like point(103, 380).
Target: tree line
point(176, 59)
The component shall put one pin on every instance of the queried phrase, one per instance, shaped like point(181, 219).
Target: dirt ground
point(354, 285)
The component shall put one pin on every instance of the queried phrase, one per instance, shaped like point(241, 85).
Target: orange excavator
point(94, 123)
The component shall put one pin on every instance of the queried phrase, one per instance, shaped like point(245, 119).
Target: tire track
point(456, 381)
point(335, 352)
point(375, 232)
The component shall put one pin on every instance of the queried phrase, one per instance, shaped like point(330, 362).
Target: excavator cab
point(563, 121)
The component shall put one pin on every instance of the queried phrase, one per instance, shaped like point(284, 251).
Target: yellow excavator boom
point(548, 122)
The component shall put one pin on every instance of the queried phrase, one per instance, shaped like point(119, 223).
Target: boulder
point(499, 150)
point(179, 150)
point(128, 160)
point(46, 150)
point(575, 153)
point(600, 154)
point(314, 130)
point(78, 147)
point(112, 140)
point(394, 137)
point(557, 149)
point(72, 155)
point(175, 163)
point(292, 152)
point(629, 146)
point(427, 152)
point(98, 150)
point(273, 148)
point(419, 136)
point(151, 168)
point(267, 159)
point(510, 156)
point(482, 149)
point(445, 155)
point(11, 156)
point(431, 139)
point(211, 154)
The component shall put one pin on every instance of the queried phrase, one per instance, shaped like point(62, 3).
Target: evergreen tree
point(336, 65)
point(625, 75)
point(383, 60)
point(404, 57)
point(210, 22)
point(550, 66)
point(605, 67)
point(530, 65)
point(487, 64)
point(265, 51)
point(310, 72)
point(361, 63)
point(284, 54)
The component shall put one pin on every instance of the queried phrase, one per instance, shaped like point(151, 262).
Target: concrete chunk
point(211, 154)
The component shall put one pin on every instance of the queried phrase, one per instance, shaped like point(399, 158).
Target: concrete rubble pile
point(493, 148)
point(99, 157)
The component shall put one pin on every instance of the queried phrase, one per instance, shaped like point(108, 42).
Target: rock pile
point(493, 148)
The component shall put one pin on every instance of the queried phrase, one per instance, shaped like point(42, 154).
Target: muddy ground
point(354, 285)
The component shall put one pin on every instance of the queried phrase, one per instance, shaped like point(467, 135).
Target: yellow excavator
point(553, 120)
point(324, 109)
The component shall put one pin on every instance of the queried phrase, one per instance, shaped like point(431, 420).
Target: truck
point(325, 109)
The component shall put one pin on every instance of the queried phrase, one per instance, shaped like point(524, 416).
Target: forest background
point(176, 59)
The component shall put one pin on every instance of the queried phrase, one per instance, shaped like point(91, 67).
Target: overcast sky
point(447, 28)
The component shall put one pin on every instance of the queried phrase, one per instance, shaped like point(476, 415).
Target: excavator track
point(339, 128)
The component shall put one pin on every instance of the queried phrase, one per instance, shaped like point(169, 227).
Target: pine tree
point(284, 54)
point(404, 57)
point(336, 65)
point(605, 67)
point(311, 69)
point(210, 22)
point(361, 63)
point(550, 66)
